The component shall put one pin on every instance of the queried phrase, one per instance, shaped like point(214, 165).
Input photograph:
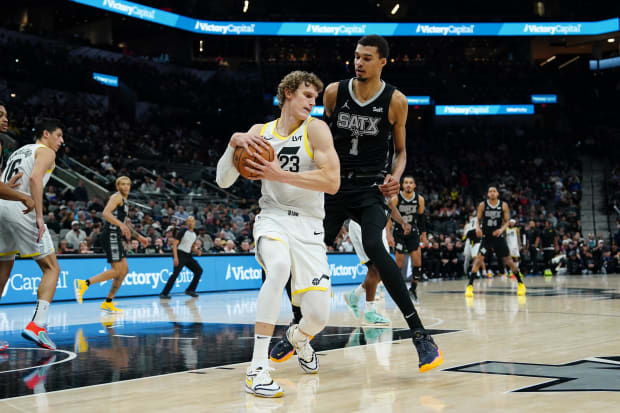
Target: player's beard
point(361, 79)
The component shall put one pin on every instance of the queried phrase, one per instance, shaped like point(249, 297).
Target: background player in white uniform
point(289, 229)
point(513, 239)
point(27, 234)
point(472, 244)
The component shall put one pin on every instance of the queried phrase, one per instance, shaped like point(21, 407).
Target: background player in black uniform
point(549, 240)
point(532, 237)
point(182, 248)
point(367, 118)
point(115, 214)
point(407, 239)
point(493, 218)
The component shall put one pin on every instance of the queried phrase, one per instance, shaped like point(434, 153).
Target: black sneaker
point(429, 354)
point(191, 293)
point(164, 296)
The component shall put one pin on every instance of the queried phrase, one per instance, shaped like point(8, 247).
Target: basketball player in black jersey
point(367, 118)
point(410, 205)
point(115, 214)
point(493, 219)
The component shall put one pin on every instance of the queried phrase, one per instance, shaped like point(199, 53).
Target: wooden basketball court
point(558, 349)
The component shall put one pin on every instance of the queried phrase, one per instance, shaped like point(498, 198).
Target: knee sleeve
point(315, 309)
point(277, 265)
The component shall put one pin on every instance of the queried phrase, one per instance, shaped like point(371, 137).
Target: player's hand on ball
point(390, 187)
point(263, 169)
point(246, 140)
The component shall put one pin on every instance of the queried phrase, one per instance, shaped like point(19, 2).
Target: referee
point(182, 249)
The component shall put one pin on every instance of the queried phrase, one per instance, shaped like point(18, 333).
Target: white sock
point(260, 357)
point(371, 306)
point(359, 291)
point(299, 337)
point(40, 313)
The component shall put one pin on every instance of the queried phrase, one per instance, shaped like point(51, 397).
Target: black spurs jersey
point(492, 218)
point(362, 132)
point(119, 213)
point(408, 209)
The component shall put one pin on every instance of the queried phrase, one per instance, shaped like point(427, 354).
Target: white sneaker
point(260, 383)
point(308, 361)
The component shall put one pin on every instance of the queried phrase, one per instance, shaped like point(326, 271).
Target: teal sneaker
point(352, 301)
point(372, 318)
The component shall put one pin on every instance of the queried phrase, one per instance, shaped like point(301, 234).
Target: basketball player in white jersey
point(27, 234)
point(115, 227)
point(513, 239)
point(472, 244)
point(289, 230)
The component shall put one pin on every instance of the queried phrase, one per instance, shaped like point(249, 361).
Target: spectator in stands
point(76, 235)
point(84, 248)
point(230, 247)
point(246, 248)
point(205, 239)
point(217, 245)
point(180, 214)
point(148, 186)
point(95, 204)
point(80, 193)
point(52, 223)
point(159, 246)
point(65, 248)
point(107, 167)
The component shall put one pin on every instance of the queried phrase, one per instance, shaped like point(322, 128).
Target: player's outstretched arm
point(324, 179)
point(12, 195)
point(227, 174)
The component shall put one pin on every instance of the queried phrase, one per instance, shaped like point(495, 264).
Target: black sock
point(471, 278)
point(518, 276)
point(108, 300)
point(296, 314)
point(88, 283)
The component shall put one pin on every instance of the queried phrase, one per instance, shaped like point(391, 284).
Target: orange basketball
point(241, 155)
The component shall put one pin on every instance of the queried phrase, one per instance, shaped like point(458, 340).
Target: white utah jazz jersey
point(471, 224)
point(22, 160)
point(295, 155)
point(511, 238)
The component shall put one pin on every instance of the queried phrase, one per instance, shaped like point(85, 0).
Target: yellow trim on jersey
point(275, 239)
point(309, 289)
point(264, 128)
point(49, 171)
point(306, 141)
point(30, 255)
point(4, 254)
point(277, 135)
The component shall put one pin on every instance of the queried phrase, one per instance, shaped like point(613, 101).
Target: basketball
point(240, 156)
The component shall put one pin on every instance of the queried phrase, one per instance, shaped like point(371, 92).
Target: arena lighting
point(355, 29)
point(551, 59)
point(563, 65)
point(411, 101)
point(106, 80)
point(483, 110)
point(611, 40)
point(545, 98)
point(395, 9)
point(604, 63)
point(246, 4)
